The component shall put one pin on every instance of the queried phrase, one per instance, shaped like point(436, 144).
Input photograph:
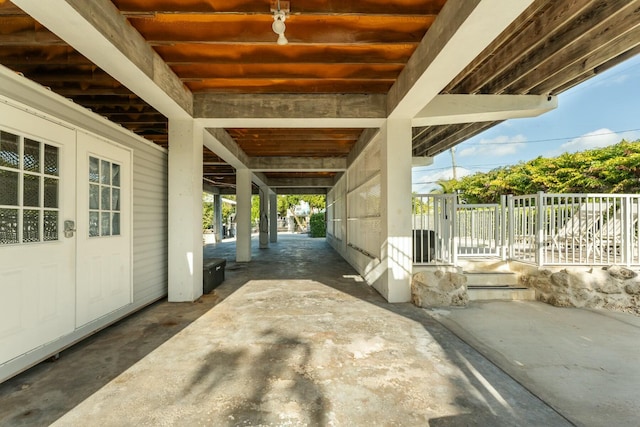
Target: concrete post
point(243, 215)
point(185, 210)
point(263, 226)
point(217, 216)
point(395, 285)
point(273, 217)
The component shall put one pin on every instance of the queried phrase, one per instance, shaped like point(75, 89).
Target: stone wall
point(614, 288)
point(439, 288)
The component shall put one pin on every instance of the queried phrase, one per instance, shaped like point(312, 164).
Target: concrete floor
point(292, 338)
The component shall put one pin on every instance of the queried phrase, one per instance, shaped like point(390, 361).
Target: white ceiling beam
point(298, 164)
point(452, 109)
point(462, 30)
point(97, 30)
point(222, 145)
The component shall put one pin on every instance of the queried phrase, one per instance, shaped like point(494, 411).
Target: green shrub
point(317, 225)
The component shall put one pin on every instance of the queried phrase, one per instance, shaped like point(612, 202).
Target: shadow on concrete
point(47, 391)
point(276, 365)
point(485, 394)
point(481, 393)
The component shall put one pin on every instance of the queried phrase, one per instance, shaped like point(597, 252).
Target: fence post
point(511, 218)
point(540, 207)
point(503, 227)
point(627, 240)
point(454, 234)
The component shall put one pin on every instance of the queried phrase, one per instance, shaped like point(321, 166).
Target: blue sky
point(596, 113)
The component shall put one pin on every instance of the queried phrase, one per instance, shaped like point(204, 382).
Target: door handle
point(69, 228)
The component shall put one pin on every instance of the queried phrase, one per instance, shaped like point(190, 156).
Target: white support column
point(396, 252)
point(217, 216)
point(243, 215)
point(263, 225)
point(273, 217)
point(185, 210)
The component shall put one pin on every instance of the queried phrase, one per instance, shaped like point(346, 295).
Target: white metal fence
point(545, 229)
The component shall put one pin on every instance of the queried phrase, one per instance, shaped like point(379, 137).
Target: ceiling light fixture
point(278, 26)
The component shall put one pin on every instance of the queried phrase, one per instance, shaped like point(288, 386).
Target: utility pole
point(453, 162)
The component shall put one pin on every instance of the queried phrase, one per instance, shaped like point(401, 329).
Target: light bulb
point(278, 26)
point(282, 40)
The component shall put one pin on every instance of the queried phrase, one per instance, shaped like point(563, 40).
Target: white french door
point(103, 228)
point(65, 230)
point(37, 261)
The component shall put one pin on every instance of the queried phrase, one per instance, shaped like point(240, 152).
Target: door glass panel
point(31, 194)
point(31, 188)
point(94, 227)
point(94, 168)
point(8, 226)
point(9, 150)
point(115, 199)
point(94, 196)
point(106, 198)
point(115, 225)
point(105, 226)
point(31, 156)
point(51, 160)
point(115, 168)
point(105, 172)
point(51, 192)
point(31, 226)
point(50, 226)
point(8, 188)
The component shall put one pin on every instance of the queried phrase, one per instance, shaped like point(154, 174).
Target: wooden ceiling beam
point(195, 53)
point(305, 29)
point(300, 181)
point(308, 164)
point(50, 55)
point(520, 38)
point(291, 86)
point(460, 133)
point(462, 31)
point(403, 7)
point(579, 30)
point(593, 72)
point(286, 134)
point(606, 41)
point(485, 64)
point(287, 71)
point(289, 106)
point(97, 30)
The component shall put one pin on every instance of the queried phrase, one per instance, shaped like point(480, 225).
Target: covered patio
point(298, 338)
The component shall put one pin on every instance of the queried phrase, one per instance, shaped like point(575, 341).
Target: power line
point(613, 132)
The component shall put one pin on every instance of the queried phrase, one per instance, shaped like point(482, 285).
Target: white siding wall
point(149, 223)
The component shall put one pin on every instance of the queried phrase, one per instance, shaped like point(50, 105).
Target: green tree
point(612, 169)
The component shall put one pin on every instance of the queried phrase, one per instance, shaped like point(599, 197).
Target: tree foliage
point(285, 202)
point(612, 169)
point(317, 225)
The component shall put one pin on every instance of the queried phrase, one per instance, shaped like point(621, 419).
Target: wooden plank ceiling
point(344, 47)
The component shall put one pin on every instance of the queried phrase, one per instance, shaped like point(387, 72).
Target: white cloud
point(596, 139)
point(426, 180)
point(499, 146)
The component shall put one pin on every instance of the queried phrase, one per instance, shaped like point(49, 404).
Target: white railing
point(545, 229)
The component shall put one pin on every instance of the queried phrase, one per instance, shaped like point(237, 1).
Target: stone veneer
point(614, 287)
point(439, 288)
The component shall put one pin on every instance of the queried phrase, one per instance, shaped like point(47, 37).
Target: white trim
point(451, 109)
